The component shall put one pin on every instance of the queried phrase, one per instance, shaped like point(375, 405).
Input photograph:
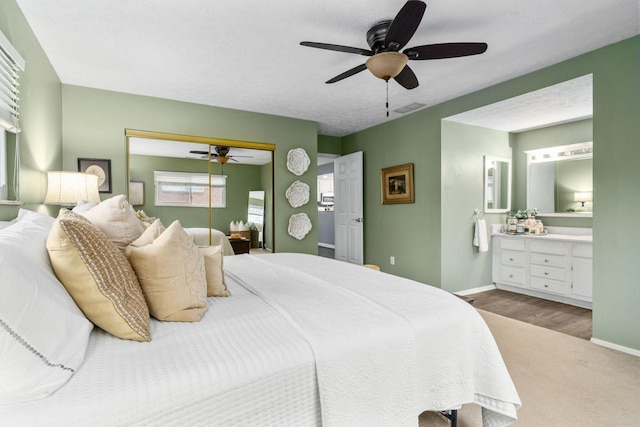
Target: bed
point(303, 340)
point(218, 238)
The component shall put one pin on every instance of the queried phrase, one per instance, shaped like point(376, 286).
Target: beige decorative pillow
point(98, 277)
point(116, 218)
point(151, 233)
point(213, 260)
point(171, 272)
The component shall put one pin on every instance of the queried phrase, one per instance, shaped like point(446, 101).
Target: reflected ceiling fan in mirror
point(386, 38)
point(221, 154)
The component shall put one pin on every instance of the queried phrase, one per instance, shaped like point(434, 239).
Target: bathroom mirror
point(497, 184)
point(560, 180)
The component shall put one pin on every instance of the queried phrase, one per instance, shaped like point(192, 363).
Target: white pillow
point(116, 218)
point(43, 334)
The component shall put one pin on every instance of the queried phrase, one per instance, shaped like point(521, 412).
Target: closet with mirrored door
point(219, 189)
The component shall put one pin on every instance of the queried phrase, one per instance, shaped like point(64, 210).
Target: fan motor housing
point(376, 36)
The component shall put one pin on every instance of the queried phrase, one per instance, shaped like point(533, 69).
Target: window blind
point(187, 178)
point(10, 64)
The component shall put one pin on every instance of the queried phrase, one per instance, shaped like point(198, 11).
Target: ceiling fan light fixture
point(387, 65)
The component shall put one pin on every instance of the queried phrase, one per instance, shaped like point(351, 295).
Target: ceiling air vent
point(409, 107)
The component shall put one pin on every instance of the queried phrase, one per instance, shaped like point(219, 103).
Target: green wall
point(463, 151)
point(240, 180)
point(413, 232)
point(94, 122)
point(563, 134)
point(40, 141)
point(329, 144)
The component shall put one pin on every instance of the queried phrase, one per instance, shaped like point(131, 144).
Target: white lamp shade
point(68, 188)
point(584, 196)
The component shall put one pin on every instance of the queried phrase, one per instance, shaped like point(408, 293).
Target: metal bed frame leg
point(452, 415)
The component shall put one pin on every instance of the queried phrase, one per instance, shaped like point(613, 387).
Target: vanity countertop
point(550, 236)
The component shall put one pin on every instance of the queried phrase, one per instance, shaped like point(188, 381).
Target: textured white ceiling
point(560, 103)
point(245, 54)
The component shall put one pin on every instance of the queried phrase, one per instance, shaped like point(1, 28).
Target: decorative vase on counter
point(512, 224)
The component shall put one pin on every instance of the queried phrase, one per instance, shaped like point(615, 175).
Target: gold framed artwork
point(136, 193)
point(397, 184)
point(99, 167)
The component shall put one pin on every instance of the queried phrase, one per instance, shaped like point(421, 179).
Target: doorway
point(325, 202)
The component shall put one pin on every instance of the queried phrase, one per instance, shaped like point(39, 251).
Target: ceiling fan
point(385, 40)
point(221, 154)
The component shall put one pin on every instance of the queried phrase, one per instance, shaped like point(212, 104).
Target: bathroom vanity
point(556, 266)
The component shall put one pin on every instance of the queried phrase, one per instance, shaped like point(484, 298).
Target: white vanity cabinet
point(558, 268)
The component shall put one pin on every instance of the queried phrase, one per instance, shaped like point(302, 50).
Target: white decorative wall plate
point(298, 161)
point(299, 225)
point(298, 194)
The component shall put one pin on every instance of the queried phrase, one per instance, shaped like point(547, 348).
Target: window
point(10, 63)
point(189, 189)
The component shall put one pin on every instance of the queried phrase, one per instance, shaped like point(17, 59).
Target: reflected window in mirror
point(556, 175)
point(497, 184)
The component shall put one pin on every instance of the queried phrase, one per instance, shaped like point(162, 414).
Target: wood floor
point(559, 317)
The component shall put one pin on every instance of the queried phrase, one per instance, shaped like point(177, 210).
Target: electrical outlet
point(392, 260)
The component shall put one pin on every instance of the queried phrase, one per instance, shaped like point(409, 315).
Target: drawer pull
point(510, 259)
point(546, 260)
point(511, 276)
point(546, 286)
point(546, 273)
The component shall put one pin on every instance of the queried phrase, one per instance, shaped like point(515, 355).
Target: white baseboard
point(326, 245)
point(476, 290)
point(613, 346)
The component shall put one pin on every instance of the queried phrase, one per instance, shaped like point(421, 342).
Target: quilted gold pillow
point(171, 273)
point(98, 277)
point(213, 260)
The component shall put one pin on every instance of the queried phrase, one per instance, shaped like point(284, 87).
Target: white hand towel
point(480, 236)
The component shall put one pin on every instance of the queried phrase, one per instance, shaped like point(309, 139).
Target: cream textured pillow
point(98, 277)
point(213, 261)
point(116, 218)
point(171, 272)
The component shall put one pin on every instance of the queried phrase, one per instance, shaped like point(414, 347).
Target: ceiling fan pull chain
point(387, 83)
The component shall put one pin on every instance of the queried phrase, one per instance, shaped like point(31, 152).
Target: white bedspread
point(218, 238)
point(252, 361)
point(458, 359)
point(365, 353)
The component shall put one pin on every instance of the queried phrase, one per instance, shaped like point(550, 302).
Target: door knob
point(358, 219)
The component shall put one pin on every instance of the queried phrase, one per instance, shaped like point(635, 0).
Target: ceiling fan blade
point(444, 50)
point(349, 73)
point(338, 48)
point(199, 152)
point(407, 78)
point(404, 25)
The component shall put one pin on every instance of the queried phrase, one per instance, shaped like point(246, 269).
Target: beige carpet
point(562, 380)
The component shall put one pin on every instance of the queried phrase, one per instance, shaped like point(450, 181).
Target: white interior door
point(348, 189)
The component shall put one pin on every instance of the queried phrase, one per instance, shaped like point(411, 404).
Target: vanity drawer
point(545, 259)
point(554, 248)
point(512, 275)
point(549, 273)
point(512, 244)
point(584, 251)
point(547, 285)
point(514, 259)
